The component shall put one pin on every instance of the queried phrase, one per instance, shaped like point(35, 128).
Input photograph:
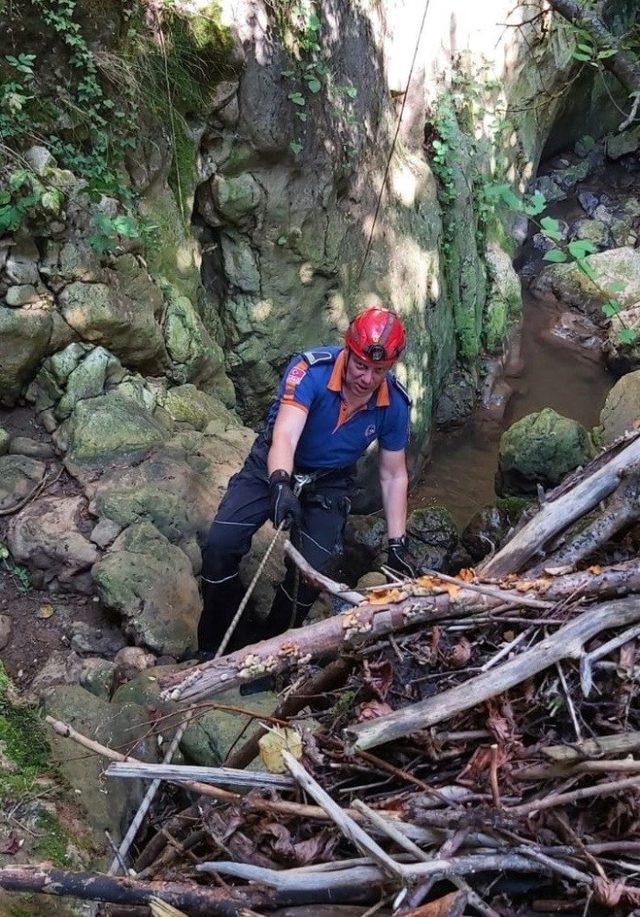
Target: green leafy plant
point(26, 198)
point(19, 574)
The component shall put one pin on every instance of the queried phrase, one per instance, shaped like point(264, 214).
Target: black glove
point(399, 559)
point(285, 506)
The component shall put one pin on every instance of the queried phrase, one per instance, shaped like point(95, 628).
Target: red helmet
point(376, 336)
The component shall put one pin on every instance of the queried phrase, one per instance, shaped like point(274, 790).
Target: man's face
point(362, 379)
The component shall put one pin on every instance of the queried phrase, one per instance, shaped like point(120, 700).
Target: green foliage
point(53, 843)
point(27, 199)
point(298, 27)
point(109, 232)
point(23, 741)
point(19, 574)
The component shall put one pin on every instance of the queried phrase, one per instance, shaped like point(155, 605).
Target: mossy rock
point(209, 738)
point(150, 583)
point(19, 474)
point(187, 404)
point(24, 341)
point(123, 726)
point(109, 427)
point(621, 411)
point(541, 449)
point(5, 439)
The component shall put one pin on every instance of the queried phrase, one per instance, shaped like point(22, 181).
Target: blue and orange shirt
point(312, 382)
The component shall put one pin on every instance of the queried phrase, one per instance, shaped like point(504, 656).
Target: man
point(331, 404)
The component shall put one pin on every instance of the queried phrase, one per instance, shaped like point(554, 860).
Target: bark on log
point(558, 514)
point(621, 511)
point(617, 580)
point(624, 67)
point(341, 632)
point(196, 899)
point(566, 642)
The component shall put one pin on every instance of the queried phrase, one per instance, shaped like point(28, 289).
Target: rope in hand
point(393, 143)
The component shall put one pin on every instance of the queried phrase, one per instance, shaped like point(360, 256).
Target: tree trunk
point(624, 67)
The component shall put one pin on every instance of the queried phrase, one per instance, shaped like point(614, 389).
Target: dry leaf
point(559, 571)
point(433, 584)
point(378, 677)
point(467, 574)
point(387, 597)
point(372, 710)
point(45, 611)
point(274, 742)
point(595, 568)
point(460, 654)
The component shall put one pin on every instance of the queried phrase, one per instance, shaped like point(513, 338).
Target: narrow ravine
point(550, 371)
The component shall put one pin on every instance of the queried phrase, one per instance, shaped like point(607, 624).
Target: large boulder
point(108, 804)
point(19, 475)
point(540, 449)
point(150, 583)
point(195, 356)
point(210, 735)
point(46, 535)
point(432, 538)
point(109, 427)
point(621, 411)
point(617, 275)
point(121, 314)
point(24, 341)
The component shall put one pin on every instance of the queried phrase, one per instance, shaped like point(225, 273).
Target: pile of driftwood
point(449, 745)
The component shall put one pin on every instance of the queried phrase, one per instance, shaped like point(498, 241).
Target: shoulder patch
point(405, 394)
point(318, 356)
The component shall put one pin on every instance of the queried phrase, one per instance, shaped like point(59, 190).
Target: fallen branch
point(366, 623)
point(558, 514)
point(273, 806)
point(183, 773)
point(197, 899)
point(566, 642)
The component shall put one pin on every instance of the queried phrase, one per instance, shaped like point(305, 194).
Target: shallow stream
point(574, 382)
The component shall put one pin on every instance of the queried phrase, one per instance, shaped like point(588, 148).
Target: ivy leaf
point(580, 248)
point(314, 85)
point(610, 308)
point(352, 92)
point(535, 203)
point(556, 255)
point(578, 55)
point(51, 200)
point(296, 147)
point(608, 52)
point(20, 178)
point(628, 336)
point(551, 229)
point(313, 23)
point(588, 49)
point(297, 98)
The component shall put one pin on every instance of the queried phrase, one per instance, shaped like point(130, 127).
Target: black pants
point(243, 510)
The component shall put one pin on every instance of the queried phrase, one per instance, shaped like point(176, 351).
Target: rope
point(393, 143)
point(247, 595)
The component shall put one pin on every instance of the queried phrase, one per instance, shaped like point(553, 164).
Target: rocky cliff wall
point(253, 143)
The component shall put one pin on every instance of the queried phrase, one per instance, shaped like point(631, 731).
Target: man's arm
point(286, 433)
point(394, 484)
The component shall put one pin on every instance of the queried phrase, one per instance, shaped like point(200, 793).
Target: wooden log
point(566, 642)
point(196, 899)
point(603, 745)
point(620, 512)
point(319, 580)
point(186, 773)
point(557, 515)
point(342, 632)
point(616, 580)
point(301, 880)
